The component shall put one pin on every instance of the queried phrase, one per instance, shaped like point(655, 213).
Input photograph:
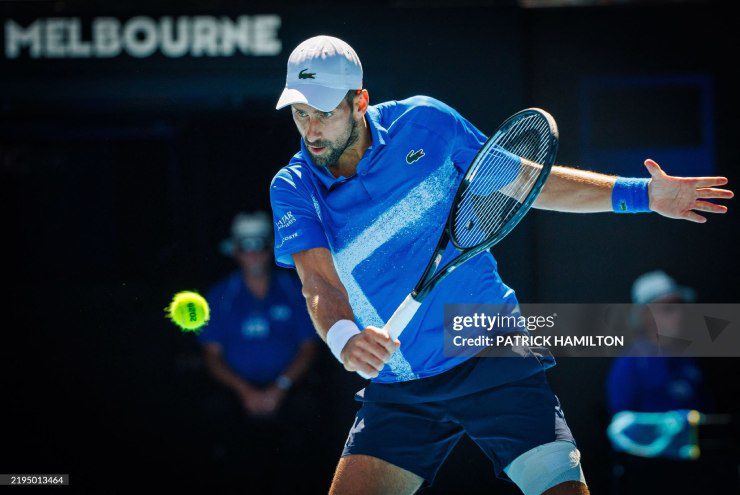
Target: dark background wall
point(121, 176)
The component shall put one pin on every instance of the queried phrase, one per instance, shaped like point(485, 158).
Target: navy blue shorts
point(504, 421)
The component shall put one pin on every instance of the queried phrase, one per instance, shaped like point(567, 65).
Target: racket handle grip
point(401, 317)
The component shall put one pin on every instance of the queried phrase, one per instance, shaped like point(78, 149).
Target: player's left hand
point(679, 197)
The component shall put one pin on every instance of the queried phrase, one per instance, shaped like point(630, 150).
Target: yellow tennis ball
point(188, 310)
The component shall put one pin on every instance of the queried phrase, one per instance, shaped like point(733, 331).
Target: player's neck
point(347, 164)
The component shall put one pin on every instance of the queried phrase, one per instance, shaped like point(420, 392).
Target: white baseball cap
point(654, 285)
point(320, 72)
point(249, 232)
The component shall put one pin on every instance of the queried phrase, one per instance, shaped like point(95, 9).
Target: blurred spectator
point(258, 344)
point(655, 401)
point(652, 383)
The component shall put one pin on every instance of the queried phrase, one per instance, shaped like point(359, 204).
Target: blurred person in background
point(657, 403)
point(651, 383)
point(258, 344)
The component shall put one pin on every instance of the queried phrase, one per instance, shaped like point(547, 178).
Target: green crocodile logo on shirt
point(306, 75)
point(414, 156)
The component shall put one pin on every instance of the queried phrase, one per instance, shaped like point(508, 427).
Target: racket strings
point(483, 215)
point(494, 201)
point(499, 181)
point(526, 178)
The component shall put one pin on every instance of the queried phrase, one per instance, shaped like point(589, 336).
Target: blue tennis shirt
point(260, 337)
point(383, 223)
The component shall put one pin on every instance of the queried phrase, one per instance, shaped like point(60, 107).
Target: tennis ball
point(188, 310)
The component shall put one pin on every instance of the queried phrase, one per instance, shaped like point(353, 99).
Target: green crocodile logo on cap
point(306, 75)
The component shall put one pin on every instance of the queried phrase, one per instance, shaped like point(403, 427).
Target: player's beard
point(331, 156)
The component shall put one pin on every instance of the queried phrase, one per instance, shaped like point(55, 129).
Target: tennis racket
point(498, 189)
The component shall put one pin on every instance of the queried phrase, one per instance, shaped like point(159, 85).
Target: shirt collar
point(379, 135)
point(378, 132)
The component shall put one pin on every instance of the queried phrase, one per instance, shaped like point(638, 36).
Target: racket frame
point(431, 276)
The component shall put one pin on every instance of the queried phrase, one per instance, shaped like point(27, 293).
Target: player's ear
point(363, 100)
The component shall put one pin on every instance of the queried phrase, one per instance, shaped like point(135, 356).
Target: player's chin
point(320, 162)
point(324, 158)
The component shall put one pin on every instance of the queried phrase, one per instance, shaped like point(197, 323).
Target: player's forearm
point(326, 304)
point(576, 191)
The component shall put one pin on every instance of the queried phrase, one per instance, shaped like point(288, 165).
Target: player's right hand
point(368, 351)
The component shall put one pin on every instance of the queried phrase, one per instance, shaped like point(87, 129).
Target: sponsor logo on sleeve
point(286, 221)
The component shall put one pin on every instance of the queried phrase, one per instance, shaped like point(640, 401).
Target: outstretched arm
point(580, 191)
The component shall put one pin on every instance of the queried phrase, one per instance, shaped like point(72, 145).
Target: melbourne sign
point(142, 36)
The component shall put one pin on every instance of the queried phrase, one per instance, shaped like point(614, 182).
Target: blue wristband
point(630, 195)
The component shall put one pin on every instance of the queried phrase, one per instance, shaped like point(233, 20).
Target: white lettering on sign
point(142, 36)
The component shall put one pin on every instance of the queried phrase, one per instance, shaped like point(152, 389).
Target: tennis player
point(357, 212)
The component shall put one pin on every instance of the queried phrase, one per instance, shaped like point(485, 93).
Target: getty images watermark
point(660, 330)
point(502, 328)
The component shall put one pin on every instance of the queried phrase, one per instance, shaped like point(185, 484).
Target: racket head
point(499, 187)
